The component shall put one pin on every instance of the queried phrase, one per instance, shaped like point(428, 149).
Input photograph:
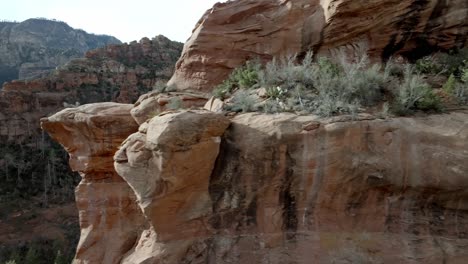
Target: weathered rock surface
point(290, 189)
point(233, 32)
point(167, 163)
point(287, 189)
point(34, 47)
point(153, 103)
point(110, 219)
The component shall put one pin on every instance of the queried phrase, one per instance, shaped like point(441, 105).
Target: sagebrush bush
point(287, 74)
point(272, 106)
point(460, 92)
point(243, 102)
point(328, 87)
point(414, 94)
point(344, 87)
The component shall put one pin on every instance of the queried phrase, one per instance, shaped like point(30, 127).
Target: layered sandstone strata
point(286, 189)
point(110, 219)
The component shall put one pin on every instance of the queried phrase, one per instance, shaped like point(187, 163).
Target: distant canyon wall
point(35, 47)
point(119, 73)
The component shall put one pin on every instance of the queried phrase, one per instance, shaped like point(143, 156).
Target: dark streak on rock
point(288, 200)
point(252, 212)
point(422, 45)
point(222, 182)
point(404, 28)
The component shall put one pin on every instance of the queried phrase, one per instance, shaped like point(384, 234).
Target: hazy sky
point(125, 19)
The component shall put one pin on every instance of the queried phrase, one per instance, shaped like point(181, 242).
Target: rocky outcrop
point(34, 47)
point(231, 33)
point(42, 177)
point(154, 103)
point(168, 163)
point(285, 188)
point(110, 219)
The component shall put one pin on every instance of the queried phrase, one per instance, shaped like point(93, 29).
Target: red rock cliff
point(277, 188)
point(110, 219)
point(233, 32)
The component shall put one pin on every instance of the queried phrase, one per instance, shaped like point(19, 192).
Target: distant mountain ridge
point(32, 48)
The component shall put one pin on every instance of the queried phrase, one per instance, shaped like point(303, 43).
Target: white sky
point(125, 19)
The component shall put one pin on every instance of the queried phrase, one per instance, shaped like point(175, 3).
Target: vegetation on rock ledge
point(335, 86)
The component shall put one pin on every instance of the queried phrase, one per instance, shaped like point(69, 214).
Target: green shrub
point(464, 77)
point(272, 106)
point(345, 87)
point(393, 69)
point(454, 62)
point(414, 94)
point(244, 77)
point(331, 87)
point(427, 65)
point(275, 92)
point(288, 74)
point(224, 89)
point(242, 102)
point(449, 86)
point(247, 76)
point(328, 66)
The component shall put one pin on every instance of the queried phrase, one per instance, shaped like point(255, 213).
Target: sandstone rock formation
point(153, 103)
point(167, 163)
point(114, 73)
point(233, 32)
point(283, 188)
point(110, 219)
point(34, 47)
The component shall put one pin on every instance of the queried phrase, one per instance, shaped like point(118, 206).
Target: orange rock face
point(290, 189)
point(271, 188)
point(167, 163)
point(233, 32)
point(110, 219)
